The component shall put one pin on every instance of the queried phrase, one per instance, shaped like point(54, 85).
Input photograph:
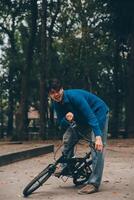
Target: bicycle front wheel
point(39, 180)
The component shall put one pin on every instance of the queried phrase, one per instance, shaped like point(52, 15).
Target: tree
point(23, 107)
point(123, 26)
point(49, 14)
point(10, 16)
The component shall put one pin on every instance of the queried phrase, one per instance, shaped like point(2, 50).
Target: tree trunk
point(130, 91)
point(51, 52)
point(23, 108)
point(43, 70)
point(1, 115)
point(11, 88)
point(116, 99)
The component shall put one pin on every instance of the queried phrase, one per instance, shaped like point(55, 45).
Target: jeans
point(69, 138)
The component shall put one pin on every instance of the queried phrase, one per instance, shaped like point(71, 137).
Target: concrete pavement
point(117, 183)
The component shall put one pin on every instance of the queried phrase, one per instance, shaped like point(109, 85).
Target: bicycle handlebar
point(73, 125)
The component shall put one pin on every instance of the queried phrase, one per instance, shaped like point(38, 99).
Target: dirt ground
point(117, 183)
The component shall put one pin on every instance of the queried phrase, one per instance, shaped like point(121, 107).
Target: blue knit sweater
point(88, 109)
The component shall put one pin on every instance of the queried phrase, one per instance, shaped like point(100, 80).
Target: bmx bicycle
point(78, 168)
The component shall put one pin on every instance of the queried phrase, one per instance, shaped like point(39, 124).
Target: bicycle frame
point(64, 160)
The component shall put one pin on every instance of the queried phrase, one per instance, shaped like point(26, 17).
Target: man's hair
point(54, 84)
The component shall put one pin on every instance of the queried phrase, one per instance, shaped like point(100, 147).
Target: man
point(88, 111)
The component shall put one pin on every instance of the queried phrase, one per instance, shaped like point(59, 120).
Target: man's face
point(56, 95)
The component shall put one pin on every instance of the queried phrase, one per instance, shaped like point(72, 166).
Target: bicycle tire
point(41, 178)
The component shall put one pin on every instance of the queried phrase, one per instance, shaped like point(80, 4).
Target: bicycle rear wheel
point(39, 180)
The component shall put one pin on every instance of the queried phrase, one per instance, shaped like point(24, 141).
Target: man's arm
point(62, 121)
point(83, 106)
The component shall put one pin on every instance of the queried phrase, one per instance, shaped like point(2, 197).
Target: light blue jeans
point(69, 138)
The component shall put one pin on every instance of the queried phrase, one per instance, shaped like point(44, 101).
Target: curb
point(25, 154)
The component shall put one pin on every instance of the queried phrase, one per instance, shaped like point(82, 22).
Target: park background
point(88, 44)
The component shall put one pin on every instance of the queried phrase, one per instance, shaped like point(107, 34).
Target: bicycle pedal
point(57, 175)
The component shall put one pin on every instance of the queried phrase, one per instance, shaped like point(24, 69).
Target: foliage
point(88, 43)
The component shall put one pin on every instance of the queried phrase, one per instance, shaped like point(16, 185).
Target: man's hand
point(69, 116)
point(98, 143)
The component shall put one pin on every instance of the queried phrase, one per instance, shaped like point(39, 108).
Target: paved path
point(118, 179)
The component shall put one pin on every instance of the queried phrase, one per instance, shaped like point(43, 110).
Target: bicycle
point(78, 168)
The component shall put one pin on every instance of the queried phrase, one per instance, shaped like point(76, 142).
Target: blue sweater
point(88, 109)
